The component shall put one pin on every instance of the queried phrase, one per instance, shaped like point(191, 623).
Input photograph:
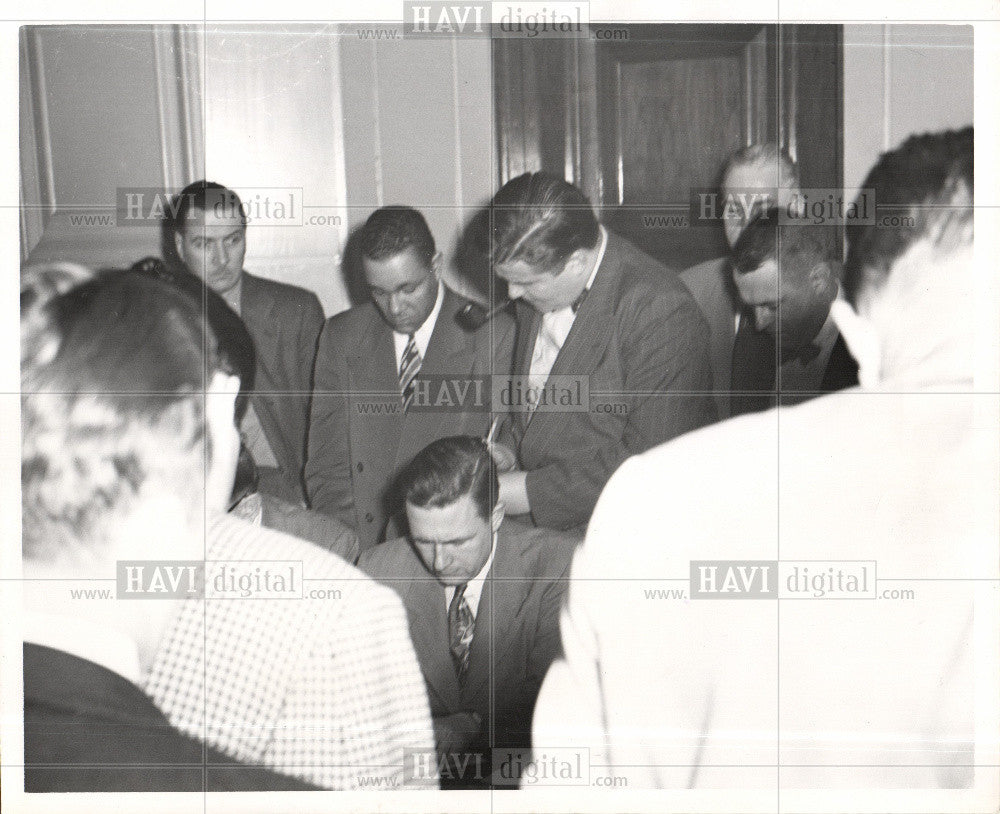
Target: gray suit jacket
point(712, 287)
point(641, 344)
point(359, 437)
point(516, 634)
point(284, 321)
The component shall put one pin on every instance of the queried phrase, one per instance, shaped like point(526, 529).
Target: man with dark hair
point(382, 369)
point(601, 323)
point(482, 595)
point(124, 400)
point(754, 179)
point(207, 234)
point(787, 345)
point(862, 680)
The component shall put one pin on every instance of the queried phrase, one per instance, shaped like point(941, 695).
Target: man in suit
point(482, 596)
point(891, 688)
point(755, 179)
point(611, 352)
point(208, 232)
point(787, 346)
point(123, 403)
point(382, 370)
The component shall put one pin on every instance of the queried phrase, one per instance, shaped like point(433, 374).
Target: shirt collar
point(474, 587)
point(84, 639)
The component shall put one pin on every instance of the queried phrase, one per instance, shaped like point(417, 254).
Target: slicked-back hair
point(540, 219)
point(206, 196)
point(113, 383)
point(796, 248)
point(449, 468)
point(926, 186)
point(392, 230)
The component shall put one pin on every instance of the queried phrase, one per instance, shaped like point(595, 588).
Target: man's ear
point(497, 517)
point(821, 277)
point(436, 262)
point(178, 242)
point(862, 341)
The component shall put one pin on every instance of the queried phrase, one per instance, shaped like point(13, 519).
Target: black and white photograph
point(553, 406)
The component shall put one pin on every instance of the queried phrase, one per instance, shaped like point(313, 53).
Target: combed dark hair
point(540, 219)
point(205, 196)
point(112, 376)
point(793, 246)
point(927, 186)
point(446, 469)
point(394, 229)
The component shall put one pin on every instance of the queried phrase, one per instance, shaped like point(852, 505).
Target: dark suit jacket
point(87, 729)
point(637, 336)
point(285, 322)
point(517, 627)
point(712, 287)
point(360, 438)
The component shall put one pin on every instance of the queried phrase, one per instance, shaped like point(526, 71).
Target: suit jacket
point(638, 336)
point(284, 321)
point(516, 633)
point(711, 285)
point(87, 729)
point(360, 438)
point(844, 690)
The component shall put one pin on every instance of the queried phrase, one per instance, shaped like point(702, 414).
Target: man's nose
point(396, 305)
point(440, 558)
point(220, 254)
point(763, 317)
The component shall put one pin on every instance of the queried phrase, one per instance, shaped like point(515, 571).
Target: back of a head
point(926, 188)
point(449, 468)
point(112, 376)
point(392, 230)
point(540, 219)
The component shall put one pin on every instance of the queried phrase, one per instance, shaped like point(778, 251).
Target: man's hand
point(456, 732)
point(514, 492)
point(503, 456)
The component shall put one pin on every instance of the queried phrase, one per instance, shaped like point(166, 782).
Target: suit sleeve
point(328, 463)
point(666, 386)
point(310, 327)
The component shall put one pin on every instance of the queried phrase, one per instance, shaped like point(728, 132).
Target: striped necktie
point(461, 624)
point(409, 367)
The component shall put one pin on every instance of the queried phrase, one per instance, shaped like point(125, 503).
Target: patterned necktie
point(460, 626)
point(409, 367)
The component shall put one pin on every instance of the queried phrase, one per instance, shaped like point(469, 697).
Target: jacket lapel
point(498, 617)
point(587, 339)
point(425, 597)
point(450, 352)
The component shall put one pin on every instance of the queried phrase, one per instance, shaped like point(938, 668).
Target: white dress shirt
point(474, 587)
point(555, 327)
point(423, 334)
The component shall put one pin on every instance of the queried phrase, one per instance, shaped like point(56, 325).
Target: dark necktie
point(755, 369)
point(460, 627)
point(409, 366)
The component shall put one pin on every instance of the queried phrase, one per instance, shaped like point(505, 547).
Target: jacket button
point(369, 518)
point(360, 467)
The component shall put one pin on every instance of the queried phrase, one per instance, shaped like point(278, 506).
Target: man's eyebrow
point(451, 541)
